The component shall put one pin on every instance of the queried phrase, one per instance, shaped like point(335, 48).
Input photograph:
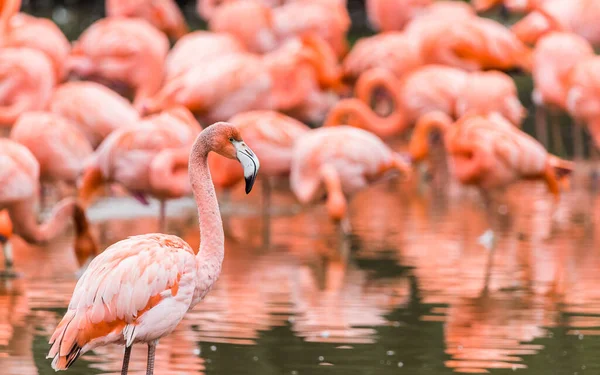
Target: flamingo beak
point(249, 162)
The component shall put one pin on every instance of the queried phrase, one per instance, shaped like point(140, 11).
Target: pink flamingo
point(59, 147)
point(430, 88)
point(95, 109)
point(27, 80)
point(343, 159)
point(389, 15)
point(147, 158)
point(221, 87)
point(122, 51)
point(163, 14)
point(139, 289)
point(264, 29)
point(19, 187)
point(578, 17)
point(6, 231)
point(22, 30)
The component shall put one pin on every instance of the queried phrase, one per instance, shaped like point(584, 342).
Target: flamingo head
point(225, 139)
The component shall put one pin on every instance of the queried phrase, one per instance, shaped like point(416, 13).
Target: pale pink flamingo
point(139, 289)
point(390, 15)
point(95, 109)
point(149, 158)
point(197, 46)
point(554, 58)
point(121, 51)
point(575, 16)
point(59, 147)
point(19, 187)
point(473, 44)
point(22, 30)
point(26, 82)
point(339, 161)
point(427, 89)
point(163, 14)
point(264, 29)
point(223, 86)
point(394, 51)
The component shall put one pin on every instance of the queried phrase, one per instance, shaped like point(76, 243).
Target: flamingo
point(576, 16)
point(345, 160)
point(19, 181)
point(147, 158)
point(512, 6)
point(6, 230)
point(95, 109)
point(554, 58)
point(430, 88)
point(22, 30)
point(389, 15)
point(219, 88)
point(265, 29)
point(163, 14)
point(139, 289)
point(59, 147)
point(121, 51)
point(27, 80)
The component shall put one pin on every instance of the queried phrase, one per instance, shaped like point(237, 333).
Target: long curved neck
point(419, 143)
point(367, 118)
point(8, 9)
point(212, 238)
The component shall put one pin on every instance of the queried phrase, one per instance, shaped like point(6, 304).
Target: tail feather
point(65, 349)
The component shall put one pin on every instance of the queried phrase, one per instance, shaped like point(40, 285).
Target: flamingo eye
point(231, 139)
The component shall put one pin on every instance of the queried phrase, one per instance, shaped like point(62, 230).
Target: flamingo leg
point(557, 142)
point(266, 210)
point(488, 238)
point(162, 218)
point(151, 352)
point(126, 360)
point(541, 120)
point(8, 258)
point(578, 141)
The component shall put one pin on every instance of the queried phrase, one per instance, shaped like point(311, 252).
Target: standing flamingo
point(121, 51)
point(26, 82)
point(147, 158)
point(139, 289)
point(345, 160)
point(19, 186)
point(95, 109)
point(163, 14)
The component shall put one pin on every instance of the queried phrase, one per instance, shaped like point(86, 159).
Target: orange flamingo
point(147, 158)
point(139, 289)
point(343, 159)
point(95, 109)
point(22, 30)
point(163, 14)
point(264, 29)
point(27, 80)
point(430, 88)
point(6, 230)
point(218, 88)
point(578, 17)
point(59, 147)
point(125, 51)
point(19, 181)
point(478, 44)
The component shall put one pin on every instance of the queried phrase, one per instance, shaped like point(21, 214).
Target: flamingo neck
point(419, 144)
point(212, 239)
point(367, 118)
point(8, 9)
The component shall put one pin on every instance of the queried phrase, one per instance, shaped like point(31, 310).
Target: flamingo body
point(163, 14)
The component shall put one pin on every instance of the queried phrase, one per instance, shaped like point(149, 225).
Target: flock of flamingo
point(120, 107)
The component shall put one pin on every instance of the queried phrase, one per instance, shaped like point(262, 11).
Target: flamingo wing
point(19, 172)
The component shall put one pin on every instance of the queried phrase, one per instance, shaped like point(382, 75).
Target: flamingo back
point(19, 172)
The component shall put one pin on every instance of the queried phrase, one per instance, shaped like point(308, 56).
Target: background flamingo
point(181, 279)
point(19, 187)
point(96, 110)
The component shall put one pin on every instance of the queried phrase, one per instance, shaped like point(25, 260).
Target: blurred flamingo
point(389, 15)
point(149, 158)
point(19, 187)
point(59, 147)
point(121, 51)
point(554, 58)
point(6, 231)
point(478, 44)
point(578, 17)
point(109, 307)
point(264, 29)
point(512, 6)
point(27, 80)
point(221, 87)
point(95, 109)
point(163, 14)
point(430, 88)
point(22, 30)
point(343, 159)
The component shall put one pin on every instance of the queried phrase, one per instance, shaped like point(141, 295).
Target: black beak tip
point(250, 183)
